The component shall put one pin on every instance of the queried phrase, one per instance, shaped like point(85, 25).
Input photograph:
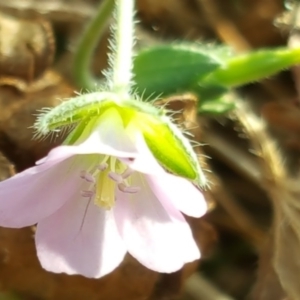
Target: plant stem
point(121, 59)
point(87, 44)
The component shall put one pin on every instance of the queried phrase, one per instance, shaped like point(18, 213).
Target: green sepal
point(171, 148)
point(73, 111)
point(75, 136)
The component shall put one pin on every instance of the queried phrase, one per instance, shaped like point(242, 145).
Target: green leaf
point(168, 69)
point(252, 67)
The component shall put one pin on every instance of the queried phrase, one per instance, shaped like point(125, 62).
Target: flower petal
point(152, 235)
point(181, 193)
point(167, 187)
point(80, 238)
point(34, 194)
point(144, 162)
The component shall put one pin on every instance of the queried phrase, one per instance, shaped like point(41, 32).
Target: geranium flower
point(101, 196)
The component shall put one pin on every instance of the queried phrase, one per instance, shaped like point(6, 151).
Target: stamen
point(103, 180)
point(87, 194)
point(103, 166)
point(128, 189)
point(87, 176)
point(115, 177)
point(82, 174)
point(127, 173)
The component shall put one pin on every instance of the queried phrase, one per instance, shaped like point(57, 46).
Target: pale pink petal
point(108, 138)
point(154, 237)
point(144, 162)
point(167, 187)
point(32, 195)
point(80, 238)
point(178, 191)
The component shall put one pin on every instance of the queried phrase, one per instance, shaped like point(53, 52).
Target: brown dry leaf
point(18, 113)
point(6, 168)
point(55, 10)
point(160, 15)
point(26, 50)
point(284, 118)
point(253, 19)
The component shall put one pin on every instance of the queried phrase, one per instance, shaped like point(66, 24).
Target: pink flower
point(100, 198)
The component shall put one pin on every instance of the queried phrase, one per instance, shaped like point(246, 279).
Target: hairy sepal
point(74, 111)
point(171, 148)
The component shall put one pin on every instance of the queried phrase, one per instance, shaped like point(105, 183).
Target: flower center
point(104, 179)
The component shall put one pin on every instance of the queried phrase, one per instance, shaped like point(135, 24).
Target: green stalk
point(122, 45)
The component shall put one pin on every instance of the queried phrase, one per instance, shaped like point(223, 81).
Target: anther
point(82, 174)
point(115, 177)
point(87, 194)
point(103, 166)
point(87, 176)
point(128, 189)
point(127, 173)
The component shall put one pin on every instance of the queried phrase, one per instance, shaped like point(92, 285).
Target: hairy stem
point(121, 58)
